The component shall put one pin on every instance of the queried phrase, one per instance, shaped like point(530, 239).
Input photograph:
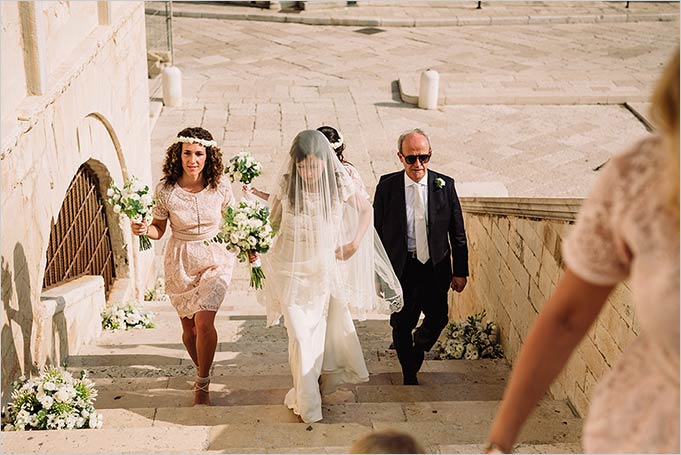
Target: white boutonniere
point(439, 183)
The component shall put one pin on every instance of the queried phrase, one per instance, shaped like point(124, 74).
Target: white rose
point(117, 209)
point(49, 385)
point(47, 401)
point(252, 240)
point(137, 219)
point(62, 395)
point(92, 422)
point(146, 200)
point(110, 192)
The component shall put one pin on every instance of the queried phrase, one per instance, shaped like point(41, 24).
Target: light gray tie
point(420, 229)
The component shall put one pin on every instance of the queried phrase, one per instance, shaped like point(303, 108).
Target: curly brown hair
point(172, 166)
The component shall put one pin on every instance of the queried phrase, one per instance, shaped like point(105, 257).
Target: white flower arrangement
point(470, 339)
point(246, 229)
point(243, 168)
point(127, 316)
point(133, 201)
point(439, 182)
point(339, 142)
point(55, 400)
point(157, 293)
point(194, 140)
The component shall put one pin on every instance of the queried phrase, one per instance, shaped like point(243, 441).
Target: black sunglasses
point(411, 159)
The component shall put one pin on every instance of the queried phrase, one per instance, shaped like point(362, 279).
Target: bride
point(326, 261)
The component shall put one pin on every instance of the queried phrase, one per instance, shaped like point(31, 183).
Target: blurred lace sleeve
point(161, 193)
point(596, 249)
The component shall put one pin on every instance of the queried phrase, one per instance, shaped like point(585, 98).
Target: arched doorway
point(80, 242)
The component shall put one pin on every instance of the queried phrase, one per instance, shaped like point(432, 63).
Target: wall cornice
point(561, 209)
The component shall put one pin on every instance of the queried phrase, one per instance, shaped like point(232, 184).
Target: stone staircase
point(144, 378)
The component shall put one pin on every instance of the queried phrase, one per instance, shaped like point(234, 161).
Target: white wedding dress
point(315, 211)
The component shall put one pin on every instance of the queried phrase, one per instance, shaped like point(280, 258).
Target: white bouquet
point(243, 168)
point(127, 316)
point(135, 202)
point(470, 339)
point(53, 401)
point(246, 229)
point(157, 293)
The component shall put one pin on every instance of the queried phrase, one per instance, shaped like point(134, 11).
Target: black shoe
point(410, 379)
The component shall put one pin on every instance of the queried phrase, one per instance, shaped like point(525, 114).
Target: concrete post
point(33, 34)
point(430, 82)
point(172, 86)
point(104, 12)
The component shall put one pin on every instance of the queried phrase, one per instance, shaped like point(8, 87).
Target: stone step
point(160, 397)
point(450, 437)
point(241, 382)
point(497, 370)
point(361, 413)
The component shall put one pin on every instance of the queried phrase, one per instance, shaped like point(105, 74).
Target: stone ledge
point(561, 209)
point(456, 21)
point(67, 317)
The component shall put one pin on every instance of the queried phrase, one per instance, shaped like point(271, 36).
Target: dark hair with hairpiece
point(333, 135)
point(172, 166)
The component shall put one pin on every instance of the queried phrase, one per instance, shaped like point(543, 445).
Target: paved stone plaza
point(256, 84)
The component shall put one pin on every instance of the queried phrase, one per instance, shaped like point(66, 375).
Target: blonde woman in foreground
point(628, 229)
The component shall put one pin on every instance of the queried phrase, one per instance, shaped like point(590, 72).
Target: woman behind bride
point(324, 262)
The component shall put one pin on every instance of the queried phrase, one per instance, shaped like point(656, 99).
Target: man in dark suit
point(418, 217)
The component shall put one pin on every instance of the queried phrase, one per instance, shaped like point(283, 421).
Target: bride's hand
point(252, 257)
point(345, 252)
point(248, 189)
point(139, 228)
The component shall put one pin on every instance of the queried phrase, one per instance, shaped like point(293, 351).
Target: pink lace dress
point(626, 232)
point(196, 275)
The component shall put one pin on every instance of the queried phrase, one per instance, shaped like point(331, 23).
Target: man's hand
point(458, 283)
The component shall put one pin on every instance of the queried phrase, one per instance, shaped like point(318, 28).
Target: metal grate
point(79, 241)
point(369, 30)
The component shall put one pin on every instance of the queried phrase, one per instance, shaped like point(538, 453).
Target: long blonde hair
point(665, 114)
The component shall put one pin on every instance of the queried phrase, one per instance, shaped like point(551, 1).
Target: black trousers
point(425, 290)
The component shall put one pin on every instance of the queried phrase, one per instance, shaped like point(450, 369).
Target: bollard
point(172, 86)
point(430, 82)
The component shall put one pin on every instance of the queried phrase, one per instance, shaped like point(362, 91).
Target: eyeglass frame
point(423, 159)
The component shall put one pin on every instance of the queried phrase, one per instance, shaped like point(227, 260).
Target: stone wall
point(515, 263)
point(74, 91)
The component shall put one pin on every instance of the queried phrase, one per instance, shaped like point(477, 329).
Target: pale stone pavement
point(256, 84)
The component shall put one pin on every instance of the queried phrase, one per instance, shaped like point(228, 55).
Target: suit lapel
point(401, 206)
point(432, 203)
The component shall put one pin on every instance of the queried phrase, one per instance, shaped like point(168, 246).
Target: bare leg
point(206, 343)
point(189, 338)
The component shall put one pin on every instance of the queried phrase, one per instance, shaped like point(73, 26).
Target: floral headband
point(193, 140)
point(339, 142)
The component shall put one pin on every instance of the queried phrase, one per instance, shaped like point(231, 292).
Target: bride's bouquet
point(243, 168)
point(133, 201)
point(246, 229)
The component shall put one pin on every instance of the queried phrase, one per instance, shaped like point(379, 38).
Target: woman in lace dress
point(191, 195)
point(324, 262)
point(628, 229)
point(336, 140)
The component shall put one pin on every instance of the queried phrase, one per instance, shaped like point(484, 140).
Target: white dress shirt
point(409, 187)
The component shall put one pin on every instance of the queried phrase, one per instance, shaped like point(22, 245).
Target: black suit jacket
point(446, 233)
